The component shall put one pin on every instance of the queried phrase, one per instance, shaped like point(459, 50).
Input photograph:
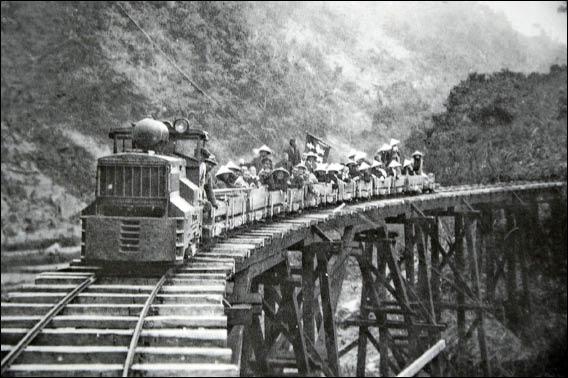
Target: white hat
point(417, 153)
point(394, 142)
point(394, 164)
point(321, 167)
point(264, 148)
point(310, 154)
point(333, 167)
point(352, 154)
point(233, 167)
point(407, 162)
point(223, 170)
point(363, 167)
point(384, 147)
point(351, 162)
point(281, 169)
point(359, 155)
point(301, 165)
point(376, 164)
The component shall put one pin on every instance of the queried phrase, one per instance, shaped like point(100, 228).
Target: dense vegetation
point(499, 127)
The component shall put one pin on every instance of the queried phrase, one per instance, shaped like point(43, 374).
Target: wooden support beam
point(471, 238)
point(318, 231)
point(425, 358)
point(409, 252)
point(291, 314)
point(460, 265)
point(364, 262)
point(511, 253)
point(328, 314)
point(308, 284)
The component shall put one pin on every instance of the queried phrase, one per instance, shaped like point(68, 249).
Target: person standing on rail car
point(210, 164)
point(395, 152)
point(384, 154)
point(417, 162)
point(333, 172)
point(311, 161)
point(263, 152)
point(294, 157)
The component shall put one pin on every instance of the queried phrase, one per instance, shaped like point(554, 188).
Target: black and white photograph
point(284, 188)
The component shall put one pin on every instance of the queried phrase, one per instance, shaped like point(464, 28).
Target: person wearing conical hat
point(243, 165)
point(265, 174)
point(225, 178)
point(298, 176)
point(280, 179)
point(394, 168)
point(262, 152)
point(407, 167)
point(364, 172)
point(352, 167)
point(384, 154)
point(417, 162)
point(377, 169)
point(394, 152)
point(311, 160)
point(359, 157)
point(321, 172)
point(235, 168)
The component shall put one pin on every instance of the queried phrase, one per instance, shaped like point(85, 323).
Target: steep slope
point(355, 74)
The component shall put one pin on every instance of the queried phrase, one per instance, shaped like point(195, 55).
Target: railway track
point(169, 325)
point(85, 321)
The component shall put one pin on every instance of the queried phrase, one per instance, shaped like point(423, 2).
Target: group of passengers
point(295, 172)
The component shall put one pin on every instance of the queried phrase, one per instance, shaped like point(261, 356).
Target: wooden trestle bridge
point(262, 301)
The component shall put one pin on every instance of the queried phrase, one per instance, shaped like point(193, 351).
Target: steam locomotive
point(149, 201)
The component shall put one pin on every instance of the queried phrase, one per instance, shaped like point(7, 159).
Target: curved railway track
point(83, 321)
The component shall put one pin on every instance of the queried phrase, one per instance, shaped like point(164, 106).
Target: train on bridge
point(150, 206)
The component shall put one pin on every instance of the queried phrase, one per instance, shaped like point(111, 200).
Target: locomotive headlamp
point(181, 125)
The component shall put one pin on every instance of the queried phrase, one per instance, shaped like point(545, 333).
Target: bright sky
point(532, 17)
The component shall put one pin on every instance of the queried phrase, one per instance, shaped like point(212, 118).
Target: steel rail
point(39, 326)
point(138, 329)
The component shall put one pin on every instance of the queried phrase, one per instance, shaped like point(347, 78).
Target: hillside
point(354, 74)
point(499, 127)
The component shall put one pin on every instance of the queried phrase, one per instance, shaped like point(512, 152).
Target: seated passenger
point(353, 172)
point(280, 179)
point(297, 178)
point(321, 173)
point(333, 170)
point(394, 169)
point(407, 168)
point(227, 179)
point(265, 174)
point(234, 168)
point(377, 169)
point(417, 162)
point(364, 171)
point(247, 176)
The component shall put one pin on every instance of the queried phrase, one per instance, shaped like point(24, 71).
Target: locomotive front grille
point(129, 236)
